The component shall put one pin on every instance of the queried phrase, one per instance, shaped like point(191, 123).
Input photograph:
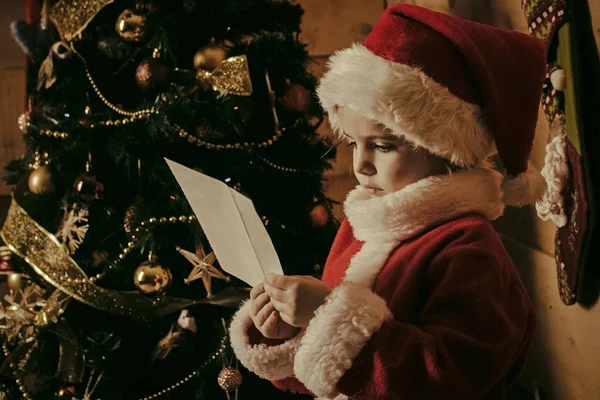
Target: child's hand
point(266, 318)
point(296, 297)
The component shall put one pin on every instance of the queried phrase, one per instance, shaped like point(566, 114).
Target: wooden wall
point(12, 86)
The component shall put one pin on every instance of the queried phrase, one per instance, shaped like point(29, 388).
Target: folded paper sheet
point(229, 220)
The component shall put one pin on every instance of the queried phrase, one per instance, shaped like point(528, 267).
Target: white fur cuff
point(268, 362)
point(339, 330)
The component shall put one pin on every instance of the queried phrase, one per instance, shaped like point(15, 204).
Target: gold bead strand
point(238, 146)
point(194, 374)
point(143, 227)
point(110, 105)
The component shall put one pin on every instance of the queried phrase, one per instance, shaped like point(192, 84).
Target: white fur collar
point(398, 216)
point(384, 222)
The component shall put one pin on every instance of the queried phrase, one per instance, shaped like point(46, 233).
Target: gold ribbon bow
point(231, 77)
point(72, 17)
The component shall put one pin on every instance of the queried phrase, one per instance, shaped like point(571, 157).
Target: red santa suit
point(426, 302)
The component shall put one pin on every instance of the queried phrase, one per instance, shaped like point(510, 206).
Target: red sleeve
point(476, 324)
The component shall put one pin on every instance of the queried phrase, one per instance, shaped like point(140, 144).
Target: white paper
point(229, 220)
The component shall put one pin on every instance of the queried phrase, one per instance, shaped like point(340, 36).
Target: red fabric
point(33, 9)
point(462, 322)
point(501, 71)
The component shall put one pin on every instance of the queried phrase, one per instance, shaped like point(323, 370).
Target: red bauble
point(153, 74)
point(5, 260)
point(88, 188)
point(319, 216)
point(295, 99)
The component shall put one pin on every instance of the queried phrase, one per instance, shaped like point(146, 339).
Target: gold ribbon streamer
point(70, 366)
point(72, 17)
point(44, 253)
point(232, 76)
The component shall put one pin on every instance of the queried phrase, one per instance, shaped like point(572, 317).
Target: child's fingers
point(275, 293)
point(286, 318)
point(256, 291)
point(258, 304)
point(264, 314)
point(271, 322)
point(281, 307)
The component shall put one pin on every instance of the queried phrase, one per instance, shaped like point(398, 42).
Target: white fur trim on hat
point(268, 362)
point(525, 188)
point(406, 101)
point(340, 328)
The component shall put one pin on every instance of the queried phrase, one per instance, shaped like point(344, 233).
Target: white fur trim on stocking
point(340, 328)
point(555, 172)
point(407, 101)
point(525, 188)
point(268, 362)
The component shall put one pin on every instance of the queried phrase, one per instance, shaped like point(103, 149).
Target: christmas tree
point(115, 292)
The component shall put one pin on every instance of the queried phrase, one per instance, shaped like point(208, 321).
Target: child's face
point(382, 162)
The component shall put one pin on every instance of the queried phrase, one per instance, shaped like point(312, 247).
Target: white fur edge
point(268, 362)
point(406, 101)
point(340, 328)
point(525, 188)
point(407, 212)
point(338, 397)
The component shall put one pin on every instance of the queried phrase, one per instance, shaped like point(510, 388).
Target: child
point(418, 299)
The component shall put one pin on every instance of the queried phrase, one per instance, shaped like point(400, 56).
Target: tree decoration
point(203, 268)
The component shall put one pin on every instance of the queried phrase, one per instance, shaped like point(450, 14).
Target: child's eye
point(351, 144)
point(384, 148)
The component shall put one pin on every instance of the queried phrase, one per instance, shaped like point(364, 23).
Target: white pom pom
point(558, 79)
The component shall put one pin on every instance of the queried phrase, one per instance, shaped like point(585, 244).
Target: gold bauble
point(151, 277)
point(208, 58)
point(15, 282)
point(41, 180)
point(132, 26)
point(229, 379)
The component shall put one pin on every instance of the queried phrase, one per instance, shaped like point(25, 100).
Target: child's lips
point(372, 190)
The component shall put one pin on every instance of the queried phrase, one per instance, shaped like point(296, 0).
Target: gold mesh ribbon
point(71, 17)
point(232, 76)
point(44, 253)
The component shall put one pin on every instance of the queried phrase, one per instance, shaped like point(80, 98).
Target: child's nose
point(362, 163)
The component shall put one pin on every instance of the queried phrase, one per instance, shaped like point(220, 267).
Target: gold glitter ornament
point(71, 17)
point(129, 219)
point(132, 26)
point(230, 379)
point(151, 277)
point(41, 180)
point(231, 77)
point(210, 57)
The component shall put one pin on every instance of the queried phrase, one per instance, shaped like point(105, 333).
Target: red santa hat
point(457, 88)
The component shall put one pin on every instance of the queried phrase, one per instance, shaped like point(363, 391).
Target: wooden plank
point(594, 6)
point(12, 100)
point(565, 354)
point(330, 25)
point(336, 188)
point(12, 55)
